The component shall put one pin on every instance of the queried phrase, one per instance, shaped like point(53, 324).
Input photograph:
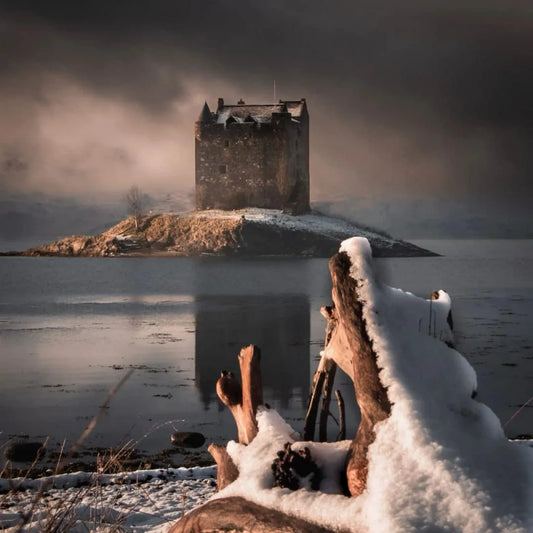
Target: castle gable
point(262, 114)
point(297, 108)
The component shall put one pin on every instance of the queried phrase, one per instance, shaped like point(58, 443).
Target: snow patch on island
point(440, 462)
point(313, 222)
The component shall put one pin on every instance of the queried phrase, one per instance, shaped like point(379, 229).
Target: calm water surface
point(71, 328)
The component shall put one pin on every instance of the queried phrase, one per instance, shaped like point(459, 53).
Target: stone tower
point(253, 156)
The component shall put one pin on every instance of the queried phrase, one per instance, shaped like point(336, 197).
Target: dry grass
point(79, 509)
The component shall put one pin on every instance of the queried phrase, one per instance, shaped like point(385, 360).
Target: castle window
point(226, 143)
point(223, 169)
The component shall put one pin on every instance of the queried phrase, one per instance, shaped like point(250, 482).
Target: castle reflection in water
point(278, 324)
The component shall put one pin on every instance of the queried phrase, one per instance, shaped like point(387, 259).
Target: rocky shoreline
point(23, 458)
point(248, 232)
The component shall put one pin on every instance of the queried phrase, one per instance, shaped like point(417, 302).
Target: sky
point(415, 104)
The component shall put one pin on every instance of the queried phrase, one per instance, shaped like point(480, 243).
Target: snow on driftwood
point(440, 462)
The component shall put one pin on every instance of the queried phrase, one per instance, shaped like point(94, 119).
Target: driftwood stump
point(342, 417)
point(243, 402)
point(349, 342)
point(347, 345)
point(238, 514)
point(227, 471)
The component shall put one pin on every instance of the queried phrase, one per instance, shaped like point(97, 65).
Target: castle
point(253, 156)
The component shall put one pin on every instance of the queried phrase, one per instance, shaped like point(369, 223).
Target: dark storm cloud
point(96, 56)
point(473, 61)
point(412, 97)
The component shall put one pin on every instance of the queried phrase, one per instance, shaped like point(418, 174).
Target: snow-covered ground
point(142, 501)
point(314, 222)
point(318, 224)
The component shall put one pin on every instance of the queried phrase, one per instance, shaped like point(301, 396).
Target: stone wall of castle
point(248, 164)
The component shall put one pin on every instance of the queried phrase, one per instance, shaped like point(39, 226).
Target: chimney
point(220, 104)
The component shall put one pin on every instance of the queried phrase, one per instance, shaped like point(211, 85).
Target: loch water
point(71, 328)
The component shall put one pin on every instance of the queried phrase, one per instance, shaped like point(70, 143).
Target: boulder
point(24, 452)
point(187, 439)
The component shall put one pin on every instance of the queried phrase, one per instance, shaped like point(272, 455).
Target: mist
point(415, 104)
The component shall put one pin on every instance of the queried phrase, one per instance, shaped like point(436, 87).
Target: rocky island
point(251, 196)
point(245, 232)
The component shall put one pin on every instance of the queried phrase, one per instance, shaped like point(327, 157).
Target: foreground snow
point(143, 501)
point(440, 462)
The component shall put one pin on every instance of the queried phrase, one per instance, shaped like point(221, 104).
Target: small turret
point(205, 115)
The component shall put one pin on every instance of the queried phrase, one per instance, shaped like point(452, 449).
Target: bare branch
point(135, 201)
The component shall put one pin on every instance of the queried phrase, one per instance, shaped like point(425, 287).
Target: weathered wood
point(337, 346)
point(252, 390)
point(228, 389)
point(350, 342)
point(314, 401)
point(243, 401)
point(327, 388)
point(227, 471)
point(342, 415)
point(238, 514)
point(322, 386)
point(347, 345)
point(322, 380)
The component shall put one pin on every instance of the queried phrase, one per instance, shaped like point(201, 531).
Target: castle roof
point(205, 115)
point(261, 113)
point(295, 107)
